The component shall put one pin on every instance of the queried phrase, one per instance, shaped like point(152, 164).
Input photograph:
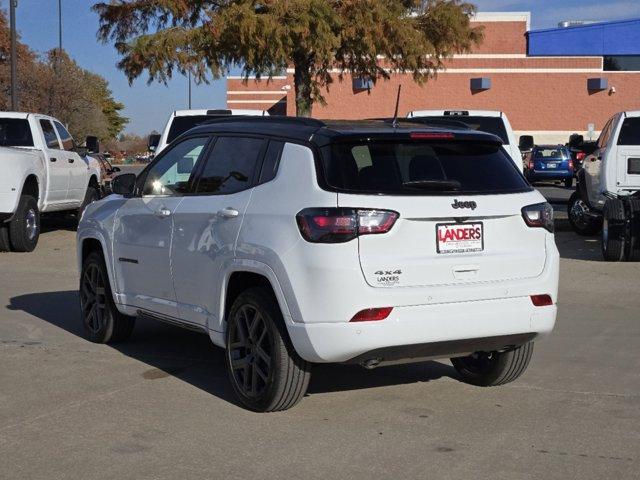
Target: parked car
point(579, 150)
point(608, 193)
point(489, 121)
point(549, 163)
point(107, 172)
point(41, 171)
point(294, 241)
point(182, 120)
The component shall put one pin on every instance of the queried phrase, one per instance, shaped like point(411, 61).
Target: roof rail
point(308, 122)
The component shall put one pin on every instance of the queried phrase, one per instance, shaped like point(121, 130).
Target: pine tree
point(368, 38)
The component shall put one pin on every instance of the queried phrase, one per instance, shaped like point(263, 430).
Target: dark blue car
point(549, 163)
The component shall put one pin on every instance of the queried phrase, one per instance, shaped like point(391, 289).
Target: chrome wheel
point(31, 224)
point(93, 299)
point(580, 214)
point(250, 351)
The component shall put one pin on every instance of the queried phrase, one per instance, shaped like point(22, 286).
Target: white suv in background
point(489, 121)
point(293, 241)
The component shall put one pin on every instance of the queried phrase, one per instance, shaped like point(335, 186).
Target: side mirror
point(93, 144)
point(153, 142)
point(526, 143)
point(124, 184)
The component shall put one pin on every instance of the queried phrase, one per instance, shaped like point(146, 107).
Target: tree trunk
point(302, 85)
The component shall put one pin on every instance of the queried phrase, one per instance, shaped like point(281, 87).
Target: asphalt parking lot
point(160, 407)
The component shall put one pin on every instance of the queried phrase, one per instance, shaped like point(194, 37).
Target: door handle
point(71, 160)
point(228, 212)
point(163, 212)
point(53, 159)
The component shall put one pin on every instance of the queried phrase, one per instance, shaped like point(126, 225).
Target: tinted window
point(65, 136)
point(604, 135)
point(172, 173)
point(421, 168)
point(551, 152)
point(50, 137)
point(231, 165)
point(630, 132)
point(271, 161)
point(182, 124)
point(15, 132)
point(493, 125)
point(629, 63)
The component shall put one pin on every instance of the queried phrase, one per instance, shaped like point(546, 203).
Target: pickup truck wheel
point(633, 245)
point(102, 321)
point(92, 195)
point(266, 373)
point(581, 218)
point(489, 369)
point(5, 245)
point(614, 231)
point(24, 229)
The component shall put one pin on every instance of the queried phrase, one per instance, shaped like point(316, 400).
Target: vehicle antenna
point(395, 115)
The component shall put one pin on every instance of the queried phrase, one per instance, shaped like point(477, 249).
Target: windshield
point(182, 124)
point(421, 168)
point(15, 132)
point(493, 125)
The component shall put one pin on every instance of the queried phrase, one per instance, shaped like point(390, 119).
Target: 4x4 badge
point(456, 204)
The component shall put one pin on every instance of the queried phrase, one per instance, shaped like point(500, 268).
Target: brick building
point(550, 83)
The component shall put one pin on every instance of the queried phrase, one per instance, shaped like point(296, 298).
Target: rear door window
point(50, 137)
point(630, 132)
point(65, 136)
point(421, 168)
point(15, 132)
point(231, 165)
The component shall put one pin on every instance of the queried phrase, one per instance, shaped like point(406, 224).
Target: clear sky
point(149, 106)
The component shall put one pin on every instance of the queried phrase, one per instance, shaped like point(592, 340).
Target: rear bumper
point(549, 174)
point(416, 331)
point(8, 204)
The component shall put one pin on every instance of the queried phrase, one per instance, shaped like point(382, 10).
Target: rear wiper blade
point(437, 185)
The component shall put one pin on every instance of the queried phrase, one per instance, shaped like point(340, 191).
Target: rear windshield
point(493, 125)
point(182, 124)
point(551, 152)
point(421, 168)
point(15, 132)
point(630, 132)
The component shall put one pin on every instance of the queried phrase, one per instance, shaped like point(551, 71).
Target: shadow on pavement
point(573, 246)
point(191, 357)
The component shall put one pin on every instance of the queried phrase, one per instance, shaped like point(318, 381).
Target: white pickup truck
point(41, 170)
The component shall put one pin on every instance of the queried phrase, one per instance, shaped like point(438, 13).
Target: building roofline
point(503, 17)
point(587, 26)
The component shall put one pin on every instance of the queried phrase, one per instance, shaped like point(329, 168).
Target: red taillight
point(531, 165)
point(432, 136)
point(337, 225)
point(571, 164)
point(372, 314)
point(541, 300)
point(580, 156)
point(539, 215)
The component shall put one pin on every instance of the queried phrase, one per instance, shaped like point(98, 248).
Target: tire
point(101, 320)
point(579, 218)
point(90, 196)
point(5, 245)
point(568, 182)
point(633, 245)
point(266, 373)
point(24, 229)
point(614, 231)
point(490, 369)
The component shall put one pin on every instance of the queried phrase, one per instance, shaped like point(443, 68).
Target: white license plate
point(552, 165)
point(459, 237)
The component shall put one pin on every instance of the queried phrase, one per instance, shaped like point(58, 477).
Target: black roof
point(322, 132)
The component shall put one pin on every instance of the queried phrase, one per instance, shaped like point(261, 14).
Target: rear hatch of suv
point(458, 201)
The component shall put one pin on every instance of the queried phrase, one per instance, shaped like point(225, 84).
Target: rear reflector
point(432, 136)
point(541, 300)
point(372, 314)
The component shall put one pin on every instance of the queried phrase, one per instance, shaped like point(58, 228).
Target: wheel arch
point(93, 242)
point(31, 186)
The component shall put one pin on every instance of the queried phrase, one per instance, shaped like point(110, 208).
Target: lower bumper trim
point(450, 348)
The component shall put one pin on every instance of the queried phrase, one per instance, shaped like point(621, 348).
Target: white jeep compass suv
point(293, 241)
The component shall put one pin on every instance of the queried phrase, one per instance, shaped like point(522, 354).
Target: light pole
point(59, 26)
point(14, 55)
point(189, 89)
